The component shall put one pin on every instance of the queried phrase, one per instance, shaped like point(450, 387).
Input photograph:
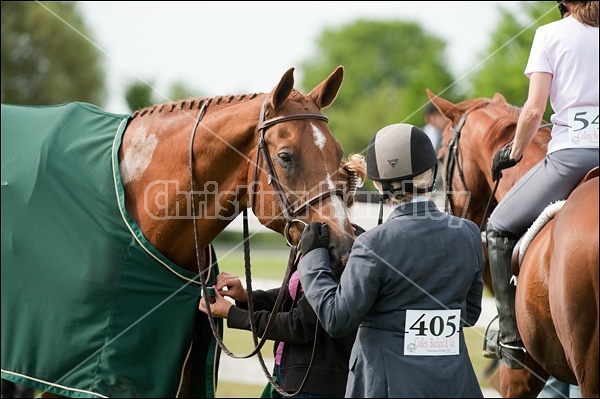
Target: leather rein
point(289, 213)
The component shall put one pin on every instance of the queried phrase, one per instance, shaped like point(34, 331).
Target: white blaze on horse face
point(339, 208)
point(138, 156)
point(319, 137)
point(340, 214)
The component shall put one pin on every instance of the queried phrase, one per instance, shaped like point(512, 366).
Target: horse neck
point(155, 166)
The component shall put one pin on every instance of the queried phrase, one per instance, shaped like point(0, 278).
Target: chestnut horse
point(557, 290)
point(173, 176)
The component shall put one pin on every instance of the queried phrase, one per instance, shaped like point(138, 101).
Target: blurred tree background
point(388, 65)
point(46, 55)
point(140, 94)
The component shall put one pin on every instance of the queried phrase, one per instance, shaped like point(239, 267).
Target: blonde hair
point(356, 168)
point(585, 12)
point(422, 181)
point(356, 163)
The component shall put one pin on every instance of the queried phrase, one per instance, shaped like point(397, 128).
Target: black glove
point(315, 235)
point(502, 160)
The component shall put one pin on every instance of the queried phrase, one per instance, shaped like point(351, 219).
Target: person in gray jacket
point(411, 284)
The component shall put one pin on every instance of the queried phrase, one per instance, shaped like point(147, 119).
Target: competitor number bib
point(432, 332)
point(583, 126)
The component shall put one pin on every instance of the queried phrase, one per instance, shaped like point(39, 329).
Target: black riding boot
point(507, 344)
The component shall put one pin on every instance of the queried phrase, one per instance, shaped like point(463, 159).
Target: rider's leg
point(507, 345)
point(552, 179)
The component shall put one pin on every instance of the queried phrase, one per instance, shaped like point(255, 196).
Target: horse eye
point(286, 159)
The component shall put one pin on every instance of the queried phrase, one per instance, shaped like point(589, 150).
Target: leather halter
point(289, 213)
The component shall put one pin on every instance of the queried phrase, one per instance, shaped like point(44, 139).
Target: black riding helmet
point(398, 153)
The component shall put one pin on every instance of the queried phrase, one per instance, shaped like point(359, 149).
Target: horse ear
point(325, 93)
point(498, 98)
point(281, 92)
point(448, 109)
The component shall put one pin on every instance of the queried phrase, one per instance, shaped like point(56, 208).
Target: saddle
point(540, 222)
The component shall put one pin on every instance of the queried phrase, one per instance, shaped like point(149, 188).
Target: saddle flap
point(514, 260)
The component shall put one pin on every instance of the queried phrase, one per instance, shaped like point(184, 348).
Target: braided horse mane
point(189, 104)
point(196, 103)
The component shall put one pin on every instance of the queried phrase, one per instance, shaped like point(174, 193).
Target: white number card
point(432, 332)
point(583, 126)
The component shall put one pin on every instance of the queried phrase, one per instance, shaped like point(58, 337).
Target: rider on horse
point(563, 66)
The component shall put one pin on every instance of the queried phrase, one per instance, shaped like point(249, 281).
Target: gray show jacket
point(419, 259)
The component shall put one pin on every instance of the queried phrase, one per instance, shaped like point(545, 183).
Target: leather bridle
point(289, 213)
point(452, 161)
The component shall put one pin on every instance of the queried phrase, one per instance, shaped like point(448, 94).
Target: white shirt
point(569, 51)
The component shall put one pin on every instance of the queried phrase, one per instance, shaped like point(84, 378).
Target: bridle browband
point(289, 213)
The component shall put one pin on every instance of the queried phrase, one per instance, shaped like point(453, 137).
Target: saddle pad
point(89, 307)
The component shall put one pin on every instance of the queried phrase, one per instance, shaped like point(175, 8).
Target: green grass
point(474, 340)
point(240, 343)
point(230, 390)
point(266, 262)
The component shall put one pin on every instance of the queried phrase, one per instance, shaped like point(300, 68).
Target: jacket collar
point(419, 208)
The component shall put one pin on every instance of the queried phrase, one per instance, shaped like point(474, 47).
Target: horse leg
point(522, 383)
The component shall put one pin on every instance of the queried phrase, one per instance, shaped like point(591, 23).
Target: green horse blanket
point(89, 307)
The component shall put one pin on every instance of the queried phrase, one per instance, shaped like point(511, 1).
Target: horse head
point(478, 128)
point(272, 152)
point(299, 166)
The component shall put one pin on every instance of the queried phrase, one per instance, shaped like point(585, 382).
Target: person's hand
point(502, 160)
point(235, 290)
point(315, 235)
point(219, 307)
